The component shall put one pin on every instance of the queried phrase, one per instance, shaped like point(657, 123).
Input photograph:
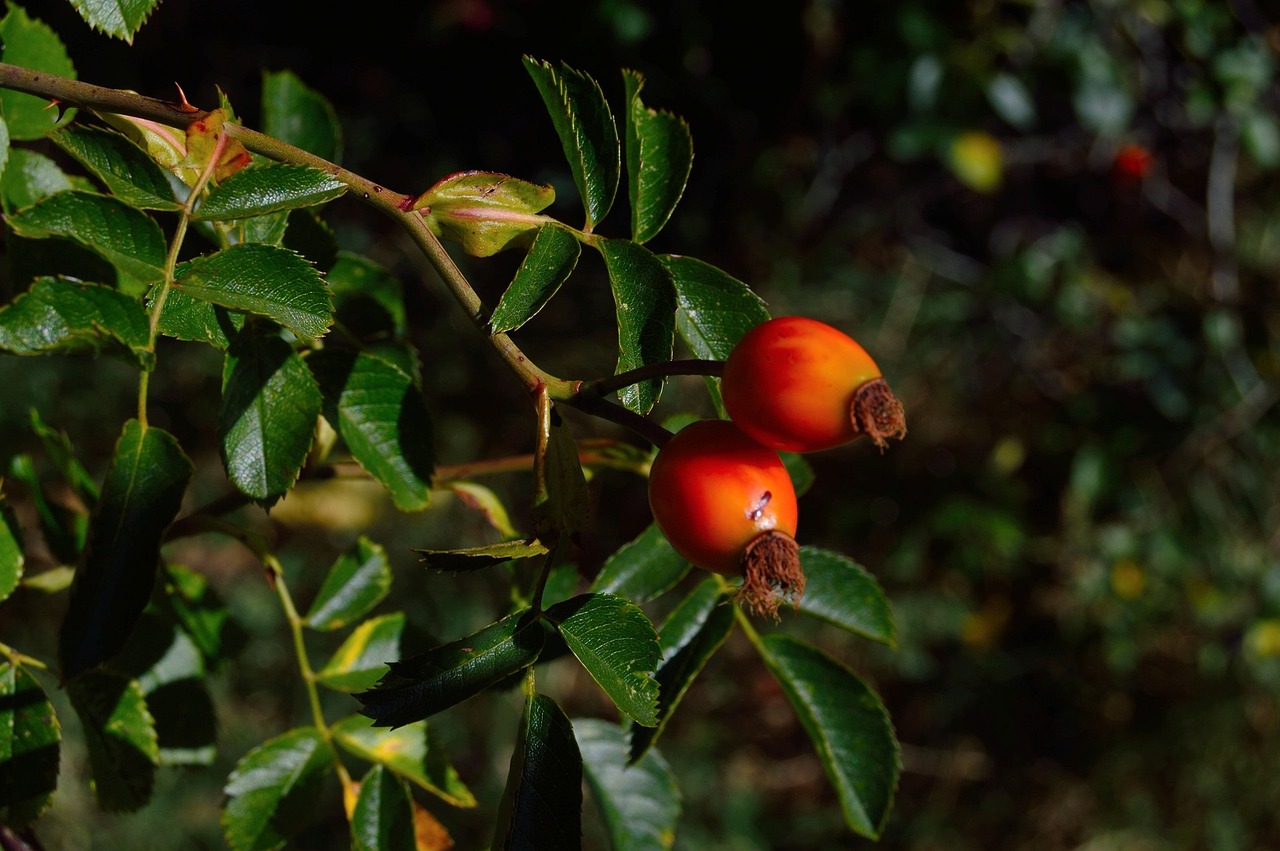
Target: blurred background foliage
point(1081, 534)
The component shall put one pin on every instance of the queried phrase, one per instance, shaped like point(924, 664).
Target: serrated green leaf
point(270, 404)
point(187, 318)
point(383, 816)
point(379, 412)
point(267, 189)
point(201, 613)
point(368, 298)
point(716, 309)
point(542, 804)
point(477, 558)
point(840, 591)
point(560, 497)
point(689, 637)
point(127, 238)
point(12, 558)
point(356, 582)
point(616, 643)
point(849, 727)
point(140, 497)
point(31, 44)
point(119, 18)
point(642, 569)
point(550, 261)
point(30, 177)
point(274, 790)
point(127, 170)
point(121, 738)
point(295, 113)
point(644, 295)
point(587, 133)
point(485, 211)
point(30, 739)
point(639, 803)
point(69, 316)
point(262, 279)
point(410, 752)
point(659, 158)
point(446, 675)
point(363, 658)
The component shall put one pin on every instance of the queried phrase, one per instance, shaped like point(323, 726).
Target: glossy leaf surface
point(716, 309)
point(57, 315)
point(644, 297)
point(383, 816)
point(542, 804)
point(642, 569)
point(268, 189)
point(842, 592)
point(274, 789)
point(30, 43)
point(639, 802)
point(356, 582)
point(128, 239)
point(550, 261)
point(659, 158)
point(119, 18)
point(363, 657)
point(127, 170)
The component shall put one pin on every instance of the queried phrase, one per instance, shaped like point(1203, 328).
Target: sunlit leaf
point(485, 211)
point(550, 261)
point(659, 158)
point(121, 737)
point(542, 804)
point(30, 747)
point(642, 569)
point(383, 815)
point(644, 296)
point(639, 802)
point(839, 590)
point(56, 315)
point(120, 18)
point(716, 309)
point(127, 238)
point(356, 582)
point(409, 751)
point(127, 171)
point(363, 658)
point(274, 790)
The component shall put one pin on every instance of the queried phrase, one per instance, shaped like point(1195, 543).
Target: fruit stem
point(604, 386)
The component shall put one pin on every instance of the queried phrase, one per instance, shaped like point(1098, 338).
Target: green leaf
point(173, 684)
point(410, 752)
point(127, 170)
point(645, 298)
point(30, 43)
point(119, 18)
point(639, 803)
point(849, 727)
point(270, 404)
point(800, 471)
point(68, 316)
point(560, 498)
point(12, 558)
point(585, 126)
point(64, 530)
point(127, 238)
point(478, 558)
point(659, 159)
point(356, 582)
point(30, 177)
point(542, 804)
point(715, 308)
point(4, 145)
point(368, 298)
point(383, 816)
point(200, 612)
point(378, 410)
point(30, 736)
point(362, 659)
point(840, 591)
point(187, 318)
point(121, 738)
point(140, 497)
point(275, 789)
point(446, 675)
point(267, 189)
point(617, 645)
point(272, 282)
point(485, 211)
point(295, 113)
point(689, 637)
point(642, 569)
point(548, 264)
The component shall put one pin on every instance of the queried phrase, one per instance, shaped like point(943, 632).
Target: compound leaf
point(716, 309)
point(57, 315)
point(127, 238)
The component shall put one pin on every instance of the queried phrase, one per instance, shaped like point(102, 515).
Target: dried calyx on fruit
point(727, 504)
point(799, 385)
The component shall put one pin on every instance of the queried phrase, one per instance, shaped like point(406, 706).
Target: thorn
point(185, 106)
point(53, 103)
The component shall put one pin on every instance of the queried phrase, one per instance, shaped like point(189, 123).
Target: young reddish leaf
point(642, 569)
point(31, 44)
point(689, 637)
point(274, 789)
point(659, 159)
point(362, 659)
point(129, 172)
point(57, 315)
point(263, 279)
point(446, 675)
point(383, 816)
point(849, 727)
point(119, 18)
point(127, 238)
point(549, 263)
point(410, 752)
point(295, 113)
point(542, 804)
point(203, 144)
point(645, 298)
point(485, 211)
point(121, 737)
point(266, 423)
point(268, 189)
point(379, 412)
point(840, 591)
point(30, 736)
point(639, 802)
point(356, 582)
point(140, 497)
point(587, 133)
